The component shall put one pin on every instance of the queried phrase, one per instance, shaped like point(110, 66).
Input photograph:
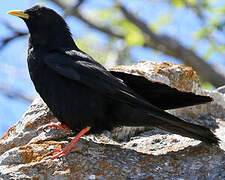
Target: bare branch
point(69, 11)
point(195, 9)
point(6, 40)
point(10, 93)
point(16, 34)
point(80, 16)
point(173, 48)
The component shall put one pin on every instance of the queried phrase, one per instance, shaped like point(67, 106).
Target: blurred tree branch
point(13, 94)
point(75, 11)
point(172, 47)
point(15, 34)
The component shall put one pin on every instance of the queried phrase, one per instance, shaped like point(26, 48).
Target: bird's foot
point(73, 149)
point(56, 125)
point(64, 152)
point(69, 147)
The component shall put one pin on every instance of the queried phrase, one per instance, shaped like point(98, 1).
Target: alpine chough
point(85, 96)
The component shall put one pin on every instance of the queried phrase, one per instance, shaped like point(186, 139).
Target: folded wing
point(159, 94)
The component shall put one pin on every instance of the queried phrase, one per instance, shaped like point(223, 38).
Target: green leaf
point(207, 85)
point(177, 3)
point(105, 13)
point(203, 32)
point(218, 10)
point(191, 2)
point(135, 38)
point(133, 35)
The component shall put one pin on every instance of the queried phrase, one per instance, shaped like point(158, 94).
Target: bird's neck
point(51, 42)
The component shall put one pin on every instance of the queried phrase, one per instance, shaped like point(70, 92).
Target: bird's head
point(46, 27)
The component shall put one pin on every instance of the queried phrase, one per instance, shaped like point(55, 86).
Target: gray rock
point(153, 154)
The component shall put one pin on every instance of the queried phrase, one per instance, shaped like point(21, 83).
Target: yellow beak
point(19, 13)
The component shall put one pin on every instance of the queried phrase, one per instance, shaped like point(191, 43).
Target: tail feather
point(191, 130)
point(129, 116)
point(176, 125)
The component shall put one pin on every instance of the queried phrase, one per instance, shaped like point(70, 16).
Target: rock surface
point(153, 154)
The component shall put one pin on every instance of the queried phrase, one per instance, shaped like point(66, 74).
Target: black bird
point(85, 96)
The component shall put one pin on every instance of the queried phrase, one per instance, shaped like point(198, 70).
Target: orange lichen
point(29, 125)
point(29, 154)
point(12, 145)
point(193, 114)
point(187, 75)
point(10, 131)
point(23, 169)
point(104, 141)
point(103, 164)
point(10, 166)
point(141, 72)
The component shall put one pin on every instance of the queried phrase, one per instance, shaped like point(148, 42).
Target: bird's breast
point(72, 103)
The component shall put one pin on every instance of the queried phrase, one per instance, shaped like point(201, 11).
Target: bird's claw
point(42, 128)
point(56, 125)
point(63, 152)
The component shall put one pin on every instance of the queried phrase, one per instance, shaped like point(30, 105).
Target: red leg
point(73, 149)
point(69, 147)
point(57, 125)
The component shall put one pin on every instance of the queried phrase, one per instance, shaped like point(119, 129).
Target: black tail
point(191, 130)
point(175, 125)
point(129, 116)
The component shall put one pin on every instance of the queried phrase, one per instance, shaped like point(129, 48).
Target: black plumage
point(82, 93)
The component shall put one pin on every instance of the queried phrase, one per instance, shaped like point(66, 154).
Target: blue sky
point(14, 55)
